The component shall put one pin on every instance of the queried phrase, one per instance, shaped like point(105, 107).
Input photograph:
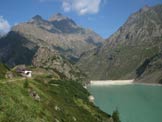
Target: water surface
point(135, 103)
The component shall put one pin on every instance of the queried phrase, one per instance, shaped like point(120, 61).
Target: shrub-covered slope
point(3, 70)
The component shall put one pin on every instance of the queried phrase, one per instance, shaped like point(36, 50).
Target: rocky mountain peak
point(57, 17)
point(65, 24)
point(145, 8)
point(36, 18)
point(144, 24)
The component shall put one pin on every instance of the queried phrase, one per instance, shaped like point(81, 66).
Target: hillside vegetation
point(3, 70)
point(45, 99)
point(59, 101)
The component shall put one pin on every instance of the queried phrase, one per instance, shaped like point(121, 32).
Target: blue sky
point(102, 16)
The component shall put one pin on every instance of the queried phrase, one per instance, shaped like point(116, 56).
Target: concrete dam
point(111, 82)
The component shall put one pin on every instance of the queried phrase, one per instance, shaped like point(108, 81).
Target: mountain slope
point(16, 49)
point(123, 53)
point(50, 59)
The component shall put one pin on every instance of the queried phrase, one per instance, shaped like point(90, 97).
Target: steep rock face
point(126, 50)
point(50, 59)
point(60, 33)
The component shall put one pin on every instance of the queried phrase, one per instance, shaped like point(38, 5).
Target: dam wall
point(111, 82)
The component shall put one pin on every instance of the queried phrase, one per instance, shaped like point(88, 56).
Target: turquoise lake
point(135, 103)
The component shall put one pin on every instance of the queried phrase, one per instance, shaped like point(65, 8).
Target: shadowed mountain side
point(16, 49)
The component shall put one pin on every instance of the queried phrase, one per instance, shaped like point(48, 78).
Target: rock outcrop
point(50, 59)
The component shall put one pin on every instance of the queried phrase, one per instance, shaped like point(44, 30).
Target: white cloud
point(82, 7)
point(4, 26)
point(66, 6)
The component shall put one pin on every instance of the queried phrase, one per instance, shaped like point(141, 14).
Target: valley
point(64, 58)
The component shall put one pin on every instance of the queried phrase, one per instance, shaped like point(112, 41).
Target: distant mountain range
point(60, 33)
point(60, 38)
point(133, 52)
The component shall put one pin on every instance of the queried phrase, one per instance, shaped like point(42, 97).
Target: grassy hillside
point(58, 101)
